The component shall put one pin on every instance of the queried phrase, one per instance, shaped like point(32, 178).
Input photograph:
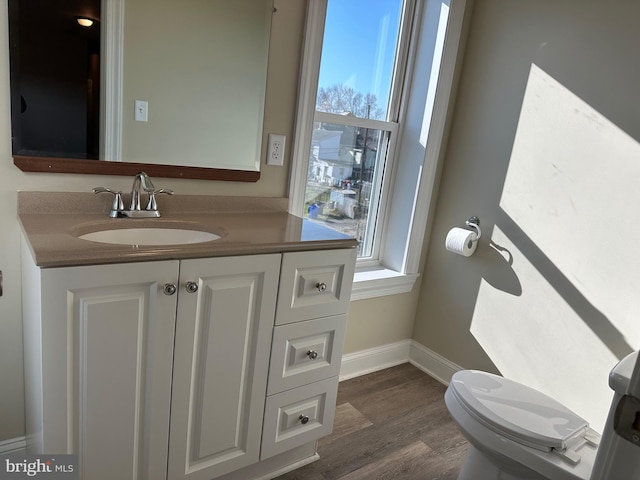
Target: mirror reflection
point(191, 92)
point(55, 77)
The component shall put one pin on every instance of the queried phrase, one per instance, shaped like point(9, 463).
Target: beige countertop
point(52, 222)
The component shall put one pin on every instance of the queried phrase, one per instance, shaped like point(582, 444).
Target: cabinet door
point(223, 338)
point(107, 342)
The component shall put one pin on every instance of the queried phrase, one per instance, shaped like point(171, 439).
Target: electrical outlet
point(275, 151)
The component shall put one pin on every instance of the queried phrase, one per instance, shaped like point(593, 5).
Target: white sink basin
point(150, 236)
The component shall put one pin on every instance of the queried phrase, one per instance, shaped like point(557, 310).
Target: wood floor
point(391, 424)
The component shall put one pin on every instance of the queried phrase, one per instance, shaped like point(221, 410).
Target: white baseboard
point(397, 353)
point(13, 445)
point(374, 359)
point(432, 363)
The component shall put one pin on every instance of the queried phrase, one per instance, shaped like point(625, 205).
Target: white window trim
point(307, 91)
point(399, 257)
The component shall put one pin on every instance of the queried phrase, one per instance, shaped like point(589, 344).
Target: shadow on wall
point(601, 326)
point(501, 275)
point(496, 269)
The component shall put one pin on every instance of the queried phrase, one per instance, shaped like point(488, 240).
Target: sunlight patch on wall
point(569, 218)
point(537, 339)
point(572, 187)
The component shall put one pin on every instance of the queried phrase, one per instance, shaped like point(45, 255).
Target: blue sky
point(359, 46)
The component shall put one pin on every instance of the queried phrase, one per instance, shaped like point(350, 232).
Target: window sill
point(378, 281)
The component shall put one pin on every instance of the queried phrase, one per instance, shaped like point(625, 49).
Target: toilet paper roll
point(461, 241)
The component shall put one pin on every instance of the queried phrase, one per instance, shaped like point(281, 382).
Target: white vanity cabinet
point(220, 378)
point(98, 362)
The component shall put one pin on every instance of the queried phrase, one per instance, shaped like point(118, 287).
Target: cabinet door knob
point(169, 289)
point(321, 286)
point(191, 287)
point(304, 419)
point(312, 354)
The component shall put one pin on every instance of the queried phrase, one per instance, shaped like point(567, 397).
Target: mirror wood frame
point(103, 167)
point(113, 9)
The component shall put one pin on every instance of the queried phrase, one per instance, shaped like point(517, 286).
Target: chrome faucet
point(141, 180)
point(141, 183)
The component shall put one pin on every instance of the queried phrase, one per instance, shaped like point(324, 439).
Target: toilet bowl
point(516, 432)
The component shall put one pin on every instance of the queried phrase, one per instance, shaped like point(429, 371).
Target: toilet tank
point(621, 374)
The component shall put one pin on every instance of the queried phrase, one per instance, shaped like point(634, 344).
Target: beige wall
point(391, 318)
point(380, 321)
point(544, 149)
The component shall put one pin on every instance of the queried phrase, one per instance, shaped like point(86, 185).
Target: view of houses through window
point(355, 122)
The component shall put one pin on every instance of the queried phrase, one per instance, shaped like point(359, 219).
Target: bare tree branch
point(343, 99)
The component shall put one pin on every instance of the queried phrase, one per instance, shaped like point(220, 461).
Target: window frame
point(394, 266)
point(382, 168)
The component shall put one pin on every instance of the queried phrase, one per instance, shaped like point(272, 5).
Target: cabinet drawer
point(306, 352)
point(298, 416)
point(315, 284)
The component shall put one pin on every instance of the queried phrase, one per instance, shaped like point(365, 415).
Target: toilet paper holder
point(474, 222)
point(462, 241)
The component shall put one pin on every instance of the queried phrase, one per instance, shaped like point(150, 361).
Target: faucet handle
point(152, 205)
point(117, 205)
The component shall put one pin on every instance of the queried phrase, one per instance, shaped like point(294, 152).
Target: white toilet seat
point(516, 411)
point(514, 423)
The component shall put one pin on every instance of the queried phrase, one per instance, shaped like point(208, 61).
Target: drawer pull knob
point(312, 354)
point(192, 287)
point(321, 286)
point(169, 289)
point(304, 419)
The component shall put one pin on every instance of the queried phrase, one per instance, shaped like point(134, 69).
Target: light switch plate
point(142, 111)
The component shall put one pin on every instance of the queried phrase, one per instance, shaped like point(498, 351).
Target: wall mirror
point(172, 87)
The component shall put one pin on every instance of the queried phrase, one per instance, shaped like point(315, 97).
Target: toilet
point(516, 432)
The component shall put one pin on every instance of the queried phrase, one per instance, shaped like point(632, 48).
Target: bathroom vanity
point(217, 359)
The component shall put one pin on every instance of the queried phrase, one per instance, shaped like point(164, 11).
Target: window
point(376, 84)
point(356, 116)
